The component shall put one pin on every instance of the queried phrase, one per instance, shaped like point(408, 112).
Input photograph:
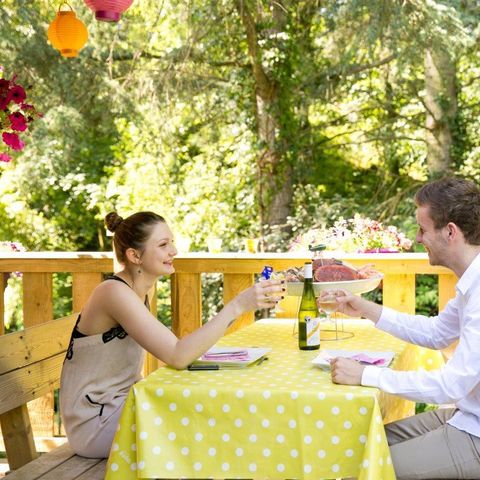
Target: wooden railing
point(238, 271)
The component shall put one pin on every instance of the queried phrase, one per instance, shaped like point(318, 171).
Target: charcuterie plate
point(353, 286)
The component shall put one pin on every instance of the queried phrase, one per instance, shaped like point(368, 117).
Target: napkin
point(226, 355)
point(379, 359)
point(363, 358)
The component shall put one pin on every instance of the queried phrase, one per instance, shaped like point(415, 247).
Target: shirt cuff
point(371, 376)
point(386, 318)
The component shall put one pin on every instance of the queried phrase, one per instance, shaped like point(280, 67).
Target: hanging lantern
point(67, 33)
point(108, 10)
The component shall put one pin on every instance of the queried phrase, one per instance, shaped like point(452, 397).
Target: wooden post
point(399, 292)
point(446, 291)
point(18, 437)
point(38, 308)
point(82, 286)
point(233, 284)
point(186, 303)
point(151, 363)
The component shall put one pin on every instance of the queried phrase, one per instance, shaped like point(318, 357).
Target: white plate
point(323, 358)
point(353, 286)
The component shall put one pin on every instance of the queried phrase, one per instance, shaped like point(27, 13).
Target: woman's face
point(157, 256)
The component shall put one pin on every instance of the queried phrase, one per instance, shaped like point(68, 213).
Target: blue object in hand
point(267, 272)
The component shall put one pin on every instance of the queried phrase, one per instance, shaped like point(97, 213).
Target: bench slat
point(95, 473)
point(30, 382)
point(43, 465)
point(72, 468)
point(28, 346)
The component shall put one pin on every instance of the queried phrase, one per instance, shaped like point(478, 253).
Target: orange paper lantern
point(67, 33)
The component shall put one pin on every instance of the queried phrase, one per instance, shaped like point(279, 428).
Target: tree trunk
point(441, 104)
point(274, 178)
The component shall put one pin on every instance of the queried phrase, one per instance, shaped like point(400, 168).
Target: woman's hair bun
point(112, 221)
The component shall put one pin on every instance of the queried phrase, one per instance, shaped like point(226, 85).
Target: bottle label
point(313, 331)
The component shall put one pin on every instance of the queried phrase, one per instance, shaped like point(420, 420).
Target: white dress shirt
point(458, 381)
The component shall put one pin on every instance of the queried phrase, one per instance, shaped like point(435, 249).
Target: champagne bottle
point(308, 321)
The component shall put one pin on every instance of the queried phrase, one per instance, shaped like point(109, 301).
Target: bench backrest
point(31, 361)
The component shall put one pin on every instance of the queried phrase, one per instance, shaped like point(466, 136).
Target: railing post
point(83, 285)
point(399, 292)
point(233, 284)
point(186, 303)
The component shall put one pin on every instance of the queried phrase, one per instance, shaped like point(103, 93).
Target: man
point(443, 443)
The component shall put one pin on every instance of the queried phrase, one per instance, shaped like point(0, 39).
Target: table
point(281, 419)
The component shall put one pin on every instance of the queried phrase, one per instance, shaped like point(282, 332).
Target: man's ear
point(132, 256)
point(452, 230)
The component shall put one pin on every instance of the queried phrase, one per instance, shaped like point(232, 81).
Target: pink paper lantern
point(108, 10)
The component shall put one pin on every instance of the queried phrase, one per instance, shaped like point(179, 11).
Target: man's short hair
point(453, 199)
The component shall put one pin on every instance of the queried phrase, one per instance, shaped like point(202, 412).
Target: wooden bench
point(30, 365)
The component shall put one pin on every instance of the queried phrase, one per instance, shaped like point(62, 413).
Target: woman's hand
point(264, 294)
point(346, 371)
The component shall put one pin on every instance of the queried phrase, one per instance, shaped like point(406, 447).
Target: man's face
point(434, 240)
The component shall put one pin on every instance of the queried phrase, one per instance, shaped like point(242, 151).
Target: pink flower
point(17, 94)
point(18, 122)
point(12, 140)
point(4, 103)
point(5, 158)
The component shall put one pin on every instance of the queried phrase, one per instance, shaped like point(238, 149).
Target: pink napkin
point(361, 357)
point(241, 355)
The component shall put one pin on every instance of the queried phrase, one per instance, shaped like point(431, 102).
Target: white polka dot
point(307, 468)
point(294, 453)
point(239, 452)
point(347, 425)
point(380, 461)
point(349, 396)
point(252, 467)
point(280, 409)
point(226, 437)
point(252, 408)
point(186, 392)
point(170, 466)
point(225, 467)
point(211, 422)
point(185, 451)
point(363, 411)
point(212, 452)
point(172, 407)
point(335, 440)
point(172, 436)
point(133, 447)
point(335, 467)
point(307, 410)
point(280, 438)
point(335, 410)
point(158, 421)
point(281, 467)
point(143, 435)
point(362, 438)
point(159, 392)
point(307, 439)
point(389, 460)
point(212, 393)
point(378, 419)
point(199, 407)
point(240, 394)
point(265, 423)
point(319, 424)
point(133, 466)
point(115, 447)
point(133, 428)
point(379, 438)
point(185, 421)
point(267, 394)
point(349, 452)
point(321, 396)
point(145, 406)
point(294, 396)
point(156, 450)
point(266, 452)
point(197, 466)
point(199, 437)
point(114, 467)
point(292, 423)
point(226, 407)
point(141, 465)
point(365, 463)
point(252, 438)
point(238, 422)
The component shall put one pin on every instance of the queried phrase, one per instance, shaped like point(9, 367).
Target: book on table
point(231, 357)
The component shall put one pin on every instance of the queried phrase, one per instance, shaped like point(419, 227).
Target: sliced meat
point(335, 273)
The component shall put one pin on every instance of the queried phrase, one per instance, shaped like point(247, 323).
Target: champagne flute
point(327, 302)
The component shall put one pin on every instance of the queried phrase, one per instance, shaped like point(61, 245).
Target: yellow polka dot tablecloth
point(283, 418)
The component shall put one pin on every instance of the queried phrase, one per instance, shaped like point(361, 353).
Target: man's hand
point(346, 372)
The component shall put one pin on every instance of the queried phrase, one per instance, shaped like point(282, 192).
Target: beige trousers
point(426, 447)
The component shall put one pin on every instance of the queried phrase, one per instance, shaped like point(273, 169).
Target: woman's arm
point(127, 309)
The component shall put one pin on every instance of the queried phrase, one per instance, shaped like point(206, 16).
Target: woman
point(115, 328)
